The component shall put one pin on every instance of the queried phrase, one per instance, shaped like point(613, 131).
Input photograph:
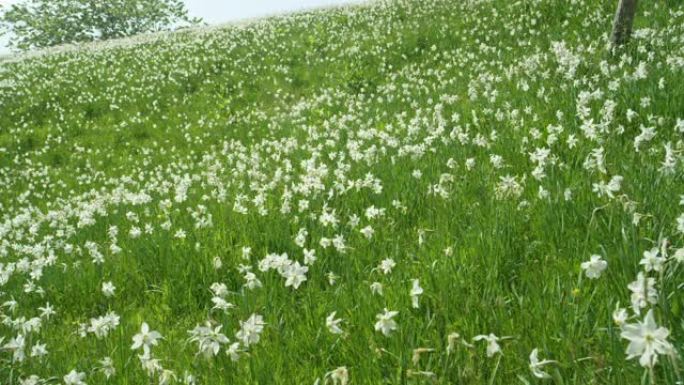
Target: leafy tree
point(45, 23)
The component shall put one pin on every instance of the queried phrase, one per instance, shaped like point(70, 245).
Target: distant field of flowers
point(403, 192)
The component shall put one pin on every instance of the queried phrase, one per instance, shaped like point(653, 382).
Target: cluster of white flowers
point(354, 184)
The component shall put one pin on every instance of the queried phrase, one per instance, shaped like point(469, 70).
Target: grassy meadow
point(401, 192)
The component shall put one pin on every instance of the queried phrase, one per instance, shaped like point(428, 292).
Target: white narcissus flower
point(680, 223)
point(416, 292)
point(387, 265)
point(385, 323)
point(679, 255)
point(250, 330)
point(647, 340)
point(339, 376)
point(309, 256)
point(39, 350)
point(594, 267)
point(643, 292)
point(418, 352)
point(333, 324)
point(145, 338)
point(652, 261)
point(620, 316)
point(74, 378)
point(234, 351)
point(376, 288)
point(108, 289)
point(107, 367)
point(452, 339)
point(536, 365)
point(492, 344)
point(209, 339)
point(295, 274)
point(166, 377)
point(367, 232)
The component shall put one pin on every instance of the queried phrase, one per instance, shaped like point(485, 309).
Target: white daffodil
point(250, 330)
point(652, 261)
point(108, 289)
point(416, 292)
point(333, 324)
point(385, 323)
point(594, 267)
point(643, 292)
point(492, 343)
point(146, 338)
point(647, 340)
point(74, 378)
point(536, 365)
point(339, 376)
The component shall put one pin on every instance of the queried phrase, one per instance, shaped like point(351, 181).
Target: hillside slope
point(266, 197)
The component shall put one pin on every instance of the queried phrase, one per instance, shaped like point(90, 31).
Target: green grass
point(336, 109)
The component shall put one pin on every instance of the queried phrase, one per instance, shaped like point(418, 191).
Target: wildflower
point(47, 311)
point(219, 289)
point(332, 277)
point(367, 232)
point(376, 288)
point(252, 282)
point(416, 292)
point(166, 377)
point(246, 252)
point(679, 255)
point(620, 316)
point(492, 344)
point(333, 324)
point(108, 289)
point(652, 260)
point(149, 364)
point(387, 265)
point(145, 338)
point(647, 340)
point(16, 345)
point(594, 267)
point(309, 257)
point(680, 223)
point(295, 274)
point(418, 352)
point(643, 292)
point(385, 323)
point(221, 304)
point(234, 351)
point(189, 379)
point(107, 367)
point(31, 380)
point(39, 350)
point(470, 163)
point(217, 263)
point(208, 338)
point(608, 189)
point(339, 376)
point(536, 365)
point(74, 378)
point(101, 326)
point(250, 330)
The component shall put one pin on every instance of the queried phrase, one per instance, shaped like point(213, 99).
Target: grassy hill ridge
point(460, 163)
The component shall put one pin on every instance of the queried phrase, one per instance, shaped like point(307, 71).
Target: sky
point(221, 11)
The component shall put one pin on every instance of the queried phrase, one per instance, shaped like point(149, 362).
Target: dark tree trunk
point(622, 25)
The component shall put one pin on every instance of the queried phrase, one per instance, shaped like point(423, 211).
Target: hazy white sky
point(218, 11)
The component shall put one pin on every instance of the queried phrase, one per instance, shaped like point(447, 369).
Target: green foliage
point(146, 149)
point(46, 23)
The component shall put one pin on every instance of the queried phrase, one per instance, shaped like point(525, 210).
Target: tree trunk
point(622, 25)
